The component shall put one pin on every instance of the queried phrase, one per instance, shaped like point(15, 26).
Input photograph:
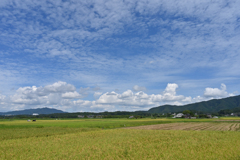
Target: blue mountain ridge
point(31, 111)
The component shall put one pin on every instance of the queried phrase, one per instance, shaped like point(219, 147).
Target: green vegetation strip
point(106, 124)
point(92, 123)
point(18, 133)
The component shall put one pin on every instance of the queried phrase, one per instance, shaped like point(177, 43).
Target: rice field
point(119, 139)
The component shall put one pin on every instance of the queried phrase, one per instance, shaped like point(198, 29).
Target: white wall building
point(179, 115)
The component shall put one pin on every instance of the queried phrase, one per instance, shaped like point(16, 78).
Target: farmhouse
point(131, 117)
point(209, 116)
point(90, 116)
point(35, 114)
point(80, 116)
point(179, 115)
point(187, 116)
point(99, 116)
point(234, 114)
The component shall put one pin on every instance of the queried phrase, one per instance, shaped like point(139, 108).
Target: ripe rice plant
point(126, 144)
point(102, 139)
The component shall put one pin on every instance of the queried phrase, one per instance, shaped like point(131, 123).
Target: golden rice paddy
point(80, 139)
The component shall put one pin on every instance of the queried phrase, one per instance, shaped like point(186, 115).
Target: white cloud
point(126, 94)
point(169, 94)
point(53, 94)
point(59, 87)
point(84, 91)
point(171, 89)
point(71, 95)
point(141, 95)
point(2, 99)
point(187, 99)
point(216, 92)
point(143, 99)
point(54, 99)
point(109, 98)
point(137, 88)
point(97, 94)
point(62, 95)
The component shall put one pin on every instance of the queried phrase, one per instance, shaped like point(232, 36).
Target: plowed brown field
point(192, 126)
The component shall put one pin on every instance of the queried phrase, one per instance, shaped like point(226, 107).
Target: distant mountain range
point(31, 111)
point(211, 106)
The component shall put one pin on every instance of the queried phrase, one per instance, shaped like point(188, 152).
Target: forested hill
point(31, 111)
point(210, 106)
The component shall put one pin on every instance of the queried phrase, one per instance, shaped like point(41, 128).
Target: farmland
point(193, 126)
point(109, 139)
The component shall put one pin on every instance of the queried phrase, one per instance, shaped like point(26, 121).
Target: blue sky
point(117, 55)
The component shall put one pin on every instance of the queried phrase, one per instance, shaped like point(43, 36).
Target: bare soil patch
point(227, 120)
point(191, 126)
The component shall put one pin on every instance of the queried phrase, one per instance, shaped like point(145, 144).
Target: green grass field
point(93, 123)
point(105, 139)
